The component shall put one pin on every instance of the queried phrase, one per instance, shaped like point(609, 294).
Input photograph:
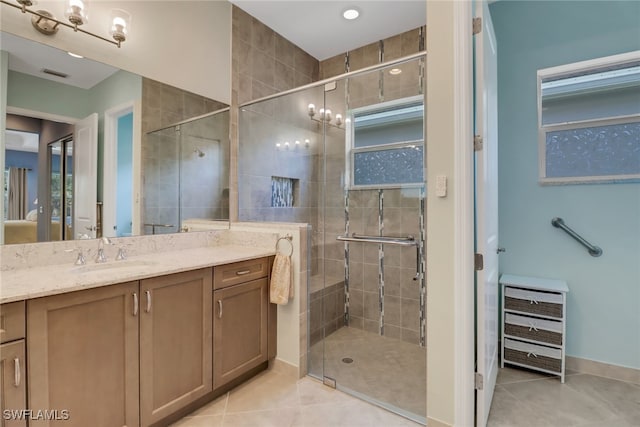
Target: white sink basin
point(115, 265)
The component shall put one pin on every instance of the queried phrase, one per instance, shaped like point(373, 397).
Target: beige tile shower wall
point(163, 105)
point(394, 47)
point(401, 292)
point(263, 63)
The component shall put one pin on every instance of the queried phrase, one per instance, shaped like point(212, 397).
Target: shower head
point(199, 151)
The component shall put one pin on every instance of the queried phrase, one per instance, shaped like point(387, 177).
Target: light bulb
point(76, 12)
point(338, 119)
point(327, 115)
point(311, 110)
point(120, 24)
point(321, 113)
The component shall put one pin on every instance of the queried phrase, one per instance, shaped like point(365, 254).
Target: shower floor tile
point(386, 370)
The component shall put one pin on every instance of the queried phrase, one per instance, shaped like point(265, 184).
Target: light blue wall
point(124, 187)
point(33, 93)
point(604, 298)
point(114, 91)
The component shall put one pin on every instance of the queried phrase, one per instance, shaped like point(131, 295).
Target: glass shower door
point(373, 238)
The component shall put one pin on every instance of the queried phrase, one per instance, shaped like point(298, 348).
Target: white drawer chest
point(534, 314)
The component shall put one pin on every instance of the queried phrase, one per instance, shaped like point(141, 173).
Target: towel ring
point(288, 238)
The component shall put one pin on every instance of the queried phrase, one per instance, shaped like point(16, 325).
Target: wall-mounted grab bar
point(593, 250)
point(401, 241)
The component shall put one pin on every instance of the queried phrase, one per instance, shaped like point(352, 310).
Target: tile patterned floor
point(273, 399)
point(525, 398)
point(385, 369)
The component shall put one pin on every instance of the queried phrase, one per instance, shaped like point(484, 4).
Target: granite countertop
point(22, 284)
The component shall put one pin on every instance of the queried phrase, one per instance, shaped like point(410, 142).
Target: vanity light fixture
point(77, 14)
point(351, 14)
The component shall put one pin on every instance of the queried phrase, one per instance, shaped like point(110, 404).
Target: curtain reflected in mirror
point(17, 194)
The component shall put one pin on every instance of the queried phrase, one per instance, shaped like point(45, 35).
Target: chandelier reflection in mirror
point(76, 12)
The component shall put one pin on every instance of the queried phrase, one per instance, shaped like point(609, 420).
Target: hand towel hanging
point(281, 288)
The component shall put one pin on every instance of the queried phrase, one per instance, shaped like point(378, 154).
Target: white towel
point(281, 283)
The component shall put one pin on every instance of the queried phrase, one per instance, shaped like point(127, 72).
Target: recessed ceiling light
point(351, 13)
point(395, 71)
point(75, 55)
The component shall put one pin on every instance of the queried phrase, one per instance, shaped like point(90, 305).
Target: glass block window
point(387, 144)
point(589, 121)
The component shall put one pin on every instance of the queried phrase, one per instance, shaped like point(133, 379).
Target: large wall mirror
point(91, 150)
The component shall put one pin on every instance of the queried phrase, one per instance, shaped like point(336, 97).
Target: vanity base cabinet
point(175, 342)
point(13, 380)
point(240, 329)
point(83, 357)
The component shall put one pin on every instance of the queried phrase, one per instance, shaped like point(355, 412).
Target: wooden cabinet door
point(83, 357)
point(240, 329)
point(14, 392)
point(175, 342)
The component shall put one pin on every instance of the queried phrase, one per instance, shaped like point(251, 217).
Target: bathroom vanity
point(137, 343)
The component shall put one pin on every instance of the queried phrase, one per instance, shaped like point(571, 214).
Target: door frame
point(44, 215)
point(110, 165)
point(450, 225)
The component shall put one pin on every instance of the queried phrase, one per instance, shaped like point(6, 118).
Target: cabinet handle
point(243, 272)
point(219, 309)
point(148, 295)
point(135, 304)
point(16, 372)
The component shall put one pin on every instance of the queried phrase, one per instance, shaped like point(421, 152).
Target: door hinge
point(478, 143)
point(479, 381)
point(477, 25)
point(478, 262)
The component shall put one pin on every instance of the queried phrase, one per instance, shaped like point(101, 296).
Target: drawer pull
point(532, 354)
point(242, 272)
point(148, 295)
point(532, 301)
point(532, 327)
point(219, 309)
point(135, 304)
point(16, 372)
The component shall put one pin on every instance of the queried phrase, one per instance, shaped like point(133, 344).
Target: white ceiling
point(317, 26)
point(29, 57)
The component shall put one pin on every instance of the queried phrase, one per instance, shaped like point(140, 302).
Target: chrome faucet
point(80, 260)
point(101, 256)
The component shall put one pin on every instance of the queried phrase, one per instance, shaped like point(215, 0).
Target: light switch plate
point(441, 186)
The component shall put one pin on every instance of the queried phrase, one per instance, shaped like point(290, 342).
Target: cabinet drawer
point(239, 272)
point(12, 321)
point(535, 302)
point(531, 328)
point(536, 356)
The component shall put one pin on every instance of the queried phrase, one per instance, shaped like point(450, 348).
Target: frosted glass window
point(589, 120)
point(386, 143)
point(385, 167)
point(594, 151)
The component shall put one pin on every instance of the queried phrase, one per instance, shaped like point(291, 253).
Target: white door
point(85, 177)
point(486, 113)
